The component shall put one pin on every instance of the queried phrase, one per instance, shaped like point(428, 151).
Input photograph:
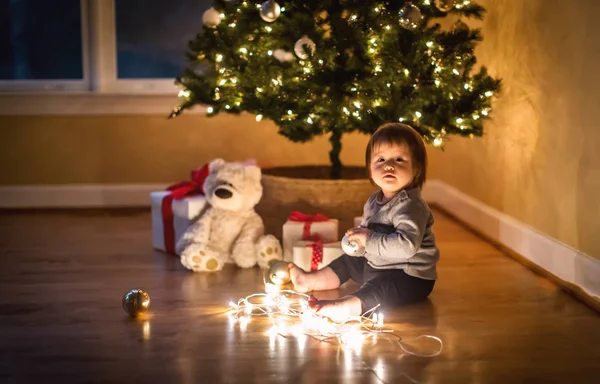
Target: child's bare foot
point(337, 310)
point(302, 280)
point(320, 280)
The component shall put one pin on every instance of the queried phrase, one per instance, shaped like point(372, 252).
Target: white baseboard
point(559, 259)
point(78, 196)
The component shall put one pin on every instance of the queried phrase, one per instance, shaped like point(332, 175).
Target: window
point(98, 46)
point(152, 36)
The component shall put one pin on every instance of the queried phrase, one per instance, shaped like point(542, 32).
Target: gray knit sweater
point(401, 236)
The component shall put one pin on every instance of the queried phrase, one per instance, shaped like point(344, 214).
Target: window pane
point(152, 36)
point(40, 40)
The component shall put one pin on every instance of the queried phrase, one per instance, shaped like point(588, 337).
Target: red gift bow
point(308, 220)
point(179, 191)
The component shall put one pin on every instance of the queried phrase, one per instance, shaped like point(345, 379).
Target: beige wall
point(540, 159)
point(145, 149)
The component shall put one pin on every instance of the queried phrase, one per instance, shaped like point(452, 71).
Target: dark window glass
point(40, 40)
point(152, 36)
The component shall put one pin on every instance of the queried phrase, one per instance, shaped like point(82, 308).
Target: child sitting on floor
point(399, 264)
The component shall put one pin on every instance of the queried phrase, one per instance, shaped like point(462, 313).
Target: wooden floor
point(63, 275)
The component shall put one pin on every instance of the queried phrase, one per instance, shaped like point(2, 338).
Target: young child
point(399, 264)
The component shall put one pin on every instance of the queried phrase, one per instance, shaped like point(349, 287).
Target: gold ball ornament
point(136, 302)
point(279, 272)
point(445, 5)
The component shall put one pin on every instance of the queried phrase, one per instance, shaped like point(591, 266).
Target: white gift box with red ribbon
point(300, 226)
point(314, 255)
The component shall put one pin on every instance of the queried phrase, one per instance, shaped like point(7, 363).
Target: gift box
point(168, 228)
point(314, 255)
point(175, 209)
point(300, 226)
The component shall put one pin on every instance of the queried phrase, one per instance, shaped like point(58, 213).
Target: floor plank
point(63, 275)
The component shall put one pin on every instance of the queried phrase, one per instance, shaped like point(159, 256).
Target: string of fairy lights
point(229, 91)
point(290, 316)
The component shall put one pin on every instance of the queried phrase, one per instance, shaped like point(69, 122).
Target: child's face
point(391, 167)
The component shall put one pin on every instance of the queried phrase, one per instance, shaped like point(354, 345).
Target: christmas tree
point(339, 66)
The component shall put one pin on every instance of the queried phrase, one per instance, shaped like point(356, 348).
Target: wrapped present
point(314, 255)
point(357, 221)
point(175, 209)
point(300, 226)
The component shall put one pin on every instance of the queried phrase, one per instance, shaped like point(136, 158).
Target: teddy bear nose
point(223, 193)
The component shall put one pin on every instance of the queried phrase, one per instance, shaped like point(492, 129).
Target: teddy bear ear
point(254, 172)
point(215, 165)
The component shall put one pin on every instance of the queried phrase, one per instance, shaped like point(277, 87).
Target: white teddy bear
point(228, 229)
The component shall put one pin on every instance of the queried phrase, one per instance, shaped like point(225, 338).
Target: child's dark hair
point(398, 133)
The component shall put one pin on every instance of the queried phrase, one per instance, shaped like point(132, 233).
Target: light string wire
point(285, 306)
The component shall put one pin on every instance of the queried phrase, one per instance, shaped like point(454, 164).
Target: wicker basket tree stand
point(309, 189)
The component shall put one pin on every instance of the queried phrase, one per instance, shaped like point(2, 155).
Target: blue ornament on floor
point(352, 248)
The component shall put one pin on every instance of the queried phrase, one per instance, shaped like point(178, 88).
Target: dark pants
point(388, 287)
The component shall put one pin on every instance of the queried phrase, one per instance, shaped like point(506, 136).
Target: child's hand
point(358, 234)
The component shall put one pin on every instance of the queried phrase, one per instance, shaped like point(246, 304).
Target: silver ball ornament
point(299, 47)
point(136, 302)
point(270, 11)
point(410, 16)
point(279, 272)
point(351, 247)
point(211, 18)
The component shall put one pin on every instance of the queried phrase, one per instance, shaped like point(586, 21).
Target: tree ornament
point(211, 18)
point(270, 11)
point(410, 16)
point(299, 47)
point(283, 56)
point(278, 273)
point(445, 5)
point(351, 247)
point(136, 302)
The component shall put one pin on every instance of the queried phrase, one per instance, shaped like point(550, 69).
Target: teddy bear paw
point(269, 249)
point(198, 258)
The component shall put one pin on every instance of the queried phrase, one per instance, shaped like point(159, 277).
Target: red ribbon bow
point(179, 191)
point(308, 220)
